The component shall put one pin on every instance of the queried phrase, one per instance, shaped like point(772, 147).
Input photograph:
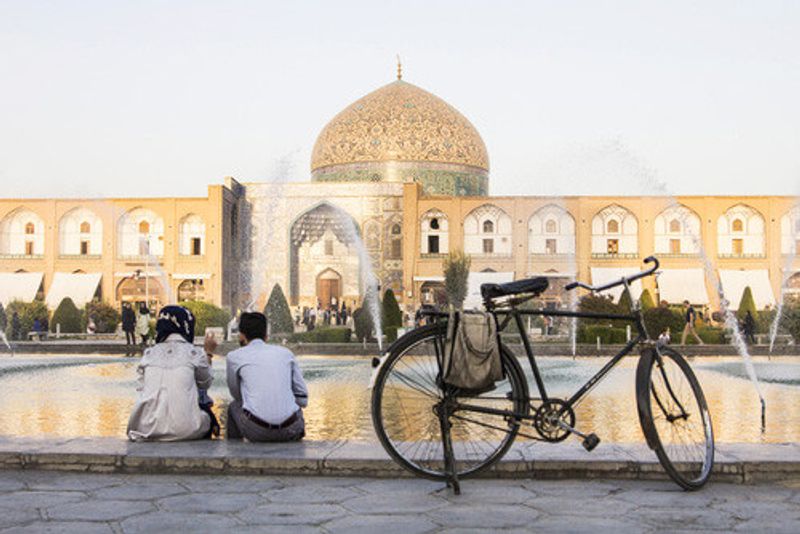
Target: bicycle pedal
point(590, 442)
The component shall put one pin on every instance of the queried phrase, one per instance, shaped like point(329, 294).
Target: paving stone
point(139, 491)
point(40, 499)
point(674, 497)
point(61, 527)
point(11, 484)
point(677, 518)
point(746, 509)
point(233, 484)
point(490, 491)
point(291, 514)
point(590, 488)
point(311, 494)
point(98, 510)
point(385, 524)
point(158, 522)
point(416, 486)
point(10, 517)
point(497, 516)
point(601, 506)
point(209, 502)
point(398, 503)
point(562, 525)
point(86, 482)
point(773, 525)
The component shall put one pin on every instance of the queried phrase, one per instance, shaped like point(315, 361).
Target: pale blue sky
point(158, 98)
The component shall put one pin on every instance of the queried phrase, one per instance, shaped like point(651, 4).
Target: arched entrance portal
point(323, 259)
point(139, 290)
point(329, 288)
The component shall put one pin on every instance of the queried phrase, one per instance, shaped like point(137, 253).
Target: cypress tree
point(625, 301)
point(646, 300)
point(68, 316)
point(391, 314)
point(279, 317)
point(3, 318)
point(747, 303)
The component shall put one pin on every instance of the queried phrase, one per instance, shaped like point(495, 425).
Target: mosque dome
point(401, 132)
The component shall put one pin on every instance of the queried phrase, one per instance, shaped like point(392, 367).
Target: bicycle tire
point(420, 450)
point(662, 377)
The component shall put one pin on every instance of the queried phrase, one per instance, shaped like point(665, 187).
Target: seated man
point(267, 386)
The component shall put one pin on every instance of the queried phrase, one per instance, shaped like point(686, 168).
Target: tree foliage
point(646, 300)
point(279, 316)
point(362, 321)
point(3, 318)
point(456, 276)
point(391, 315)
point(597, 304)
point(747, 304)
point(206, 315)
point(625, 301)
point(658, 319)
point(68, 316)
point(28, 312)
point(106, 317)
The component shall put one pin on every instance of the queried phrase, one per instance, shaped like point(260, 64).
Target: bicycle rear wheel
point(407, 392)
point(674, 417)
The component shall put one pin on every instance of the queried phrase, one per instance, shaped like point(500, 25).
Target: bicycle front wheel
point(408, 393)
point(674, 417)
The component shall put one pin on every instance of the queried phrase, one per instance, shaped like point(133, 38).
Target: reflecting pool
point(74, 395)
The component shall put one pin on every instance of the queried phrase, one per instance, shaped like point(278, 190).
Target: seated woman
point(173, 374)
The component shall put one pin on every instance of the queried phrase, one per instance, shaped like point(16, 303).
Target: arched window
point(741, 232)
point(677, 231)
point(30, 229)
point(612, 227)
point(488, 227)
point(396, 229)
point(192, 236)
point(434, 223)
point(737, 225)
point(144, 227)
point(141, 233)
point(433, 233)
point(614, 232)
point(675, 226)
point(550, 227)
point(86, 228)
point(487, 231)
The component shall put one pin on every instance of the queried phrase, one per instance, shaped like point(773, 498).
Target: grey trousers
point(239, 427)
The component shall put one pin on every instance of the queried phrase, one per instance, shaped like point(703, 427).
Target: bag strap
point(485, 353)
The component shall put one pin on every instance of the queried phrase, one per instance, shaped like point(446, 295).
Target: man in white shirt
point(267, 387)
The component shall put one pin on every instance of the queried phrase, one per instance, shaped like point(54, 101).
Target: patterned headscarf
point(175, 320)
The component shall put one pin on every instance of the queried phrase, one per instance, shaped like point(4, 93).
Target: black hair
point(253, 325)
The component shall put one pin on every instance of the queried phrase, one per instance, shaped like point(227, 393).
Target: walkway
point(40, 501)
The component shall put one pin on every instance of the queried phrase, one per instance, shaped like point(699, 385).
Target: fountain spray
point(6, 343)
point(786, 273)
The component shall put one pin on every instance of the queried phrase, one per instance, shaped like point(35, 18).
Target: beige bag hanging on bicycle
point(472, 353)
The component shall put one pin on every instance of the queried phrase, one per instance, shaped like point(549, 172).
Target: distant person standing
point(143, 324)
point(749, 328)
point(690, 317)
point(129, 324)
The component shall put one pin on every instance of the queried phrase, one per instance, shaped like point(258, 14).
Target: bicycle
point(439, 432)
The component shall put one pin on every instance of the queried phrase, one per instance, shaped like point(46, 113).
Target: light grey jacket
point(167, 407)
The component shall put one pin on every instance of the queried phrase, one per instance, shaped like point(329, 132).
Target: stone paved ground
point(40, 501)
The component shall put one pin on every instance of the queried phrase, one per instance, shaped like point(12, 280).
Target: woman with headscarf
point(172, 376)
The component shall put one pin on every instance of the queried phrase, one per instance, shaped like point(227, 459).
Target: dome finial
point(399, 68)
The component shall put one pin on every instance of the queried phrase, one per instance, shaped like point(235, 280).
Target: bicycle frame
point(512, 313)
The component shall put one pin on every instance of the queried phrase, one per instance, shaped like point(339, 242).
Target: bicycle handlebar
point(621, 281)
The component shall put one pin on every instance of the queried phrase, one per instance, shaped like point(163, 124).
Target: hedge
point(206, 315)
point(323, 335)
point(608, 335)
point(106, 317)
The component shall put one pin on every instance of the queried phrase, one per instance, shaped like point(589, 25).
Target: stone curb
point(737, 463)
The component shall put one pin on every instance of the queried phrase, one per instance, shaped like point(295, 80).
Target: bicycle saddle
point(536, 286)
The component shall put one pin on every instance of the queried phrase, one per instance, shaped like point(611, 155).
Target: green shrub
point(747, 304)
point(456, 276)
point(625, 301)
point(646, 300)
point(279, 317)
point(362, 321)
point(3, 318)
point(599, 304)
point(68, 316)
point(206, 315)
point(391, 333)
point(106, 317)
point(391, 316)
point(790, 321)
point(764, 321)
point(656, 320)
point(323, 335)
point(28, 312)
point(608, 335)
point(710, 335)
